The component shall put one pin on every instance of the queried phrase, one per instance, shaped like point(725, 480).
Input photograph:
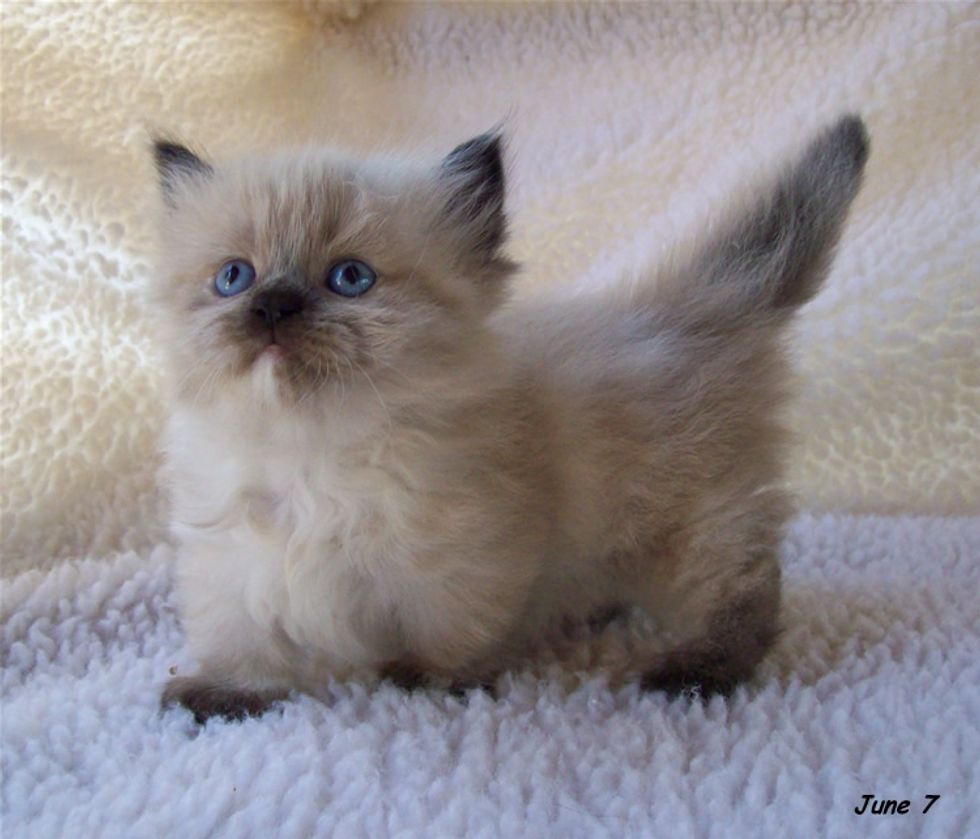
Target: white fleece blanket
point(627, 125)
point(871, 691)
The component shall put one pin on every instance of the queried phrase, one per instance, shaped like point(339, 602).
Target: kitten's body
point(479, 472)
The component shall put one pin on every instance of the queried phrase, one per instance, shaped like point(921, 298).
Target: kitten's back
point(673, 388)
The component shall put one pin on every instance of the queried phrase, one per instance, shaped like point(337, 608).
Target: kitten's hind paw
point(205, 699)
point(405, 676)
point(694, 679)
point(461, 690)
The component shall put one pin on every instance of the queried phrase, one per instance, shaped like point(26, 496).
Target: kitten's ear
point(473, 174)
point(175, 165)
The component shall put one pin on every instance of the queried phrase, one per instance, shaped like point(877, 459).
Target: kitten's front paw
point(206, 699)
point(410, 677)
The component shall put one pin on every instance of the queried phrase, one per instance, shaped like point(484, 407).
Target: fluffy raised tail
point(773, 256)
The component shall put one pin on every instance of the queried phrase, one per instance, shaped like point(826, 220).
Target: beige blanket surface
point(627, 126)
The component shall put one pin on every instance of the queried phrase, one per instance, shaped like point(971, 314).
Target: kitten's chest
point(290, 505)
point(335, 538)
point(311, 535)
point(344, 511)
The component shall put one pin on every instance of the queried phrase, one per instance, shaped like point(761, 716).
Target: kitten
point(381, 467)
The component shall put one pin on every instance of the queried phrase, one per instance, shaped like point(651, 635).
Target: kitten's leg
point(459, 637)
point(737, 635)
point(729, 614)
point(243, 666)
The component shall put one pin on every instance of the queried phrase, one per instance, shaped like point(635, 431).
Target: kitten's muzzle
point(275, 305)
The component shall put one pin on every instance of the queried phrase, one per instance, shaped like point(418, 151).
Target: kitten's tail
point(771, 259)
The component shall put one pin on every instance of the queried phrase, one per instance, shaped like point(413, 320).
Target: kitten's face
point(317, 274)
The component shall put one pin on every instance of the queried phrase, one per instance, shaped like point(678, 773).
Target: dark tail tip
point(848, 139)
point(829, 174)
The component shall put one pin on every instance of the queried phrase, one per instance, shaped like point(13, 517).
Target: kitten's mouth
point(270, 356)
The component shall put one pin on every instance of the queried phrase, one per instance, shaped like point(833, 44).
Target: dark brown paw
point(601, 618)
point(411, 677)
point(205, 700)
point(692, 676)
point(405, 676)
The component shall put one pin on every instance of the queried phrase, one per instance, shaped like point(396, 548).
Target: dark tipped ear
point(176, 164)
point(474, 175)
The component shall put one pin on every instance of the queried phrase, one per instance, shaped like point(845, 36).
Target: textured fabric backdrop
point(627, 125)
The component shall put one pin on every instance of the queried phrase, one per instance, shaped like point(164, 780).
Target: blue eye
point(233, 278)
point(350, 278)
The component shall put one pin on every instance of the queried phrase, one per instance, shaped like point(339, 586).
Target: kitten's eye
point(350, 278)
point(233, 278)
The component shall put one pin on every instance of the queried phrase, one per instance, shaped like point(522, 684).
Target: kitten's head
point(314, 272)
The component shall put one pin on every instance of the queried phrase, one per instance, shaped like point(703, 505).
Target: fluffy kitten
point(379, 468)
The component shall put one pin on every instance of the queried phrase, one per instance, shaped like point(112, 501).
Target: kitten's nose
point(276, 304)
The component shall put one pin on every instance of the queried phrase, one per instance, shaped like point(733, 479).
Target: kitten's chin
point(265, 376)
